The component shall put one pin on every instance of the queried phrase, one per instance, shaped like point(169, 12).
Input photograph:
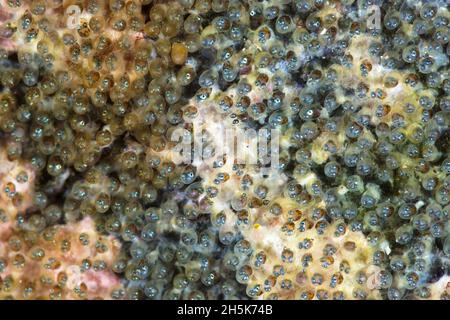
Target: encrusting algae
point(99, 201)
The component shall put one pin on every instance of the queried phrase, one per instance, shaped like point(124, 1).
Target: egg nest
point(98, 200)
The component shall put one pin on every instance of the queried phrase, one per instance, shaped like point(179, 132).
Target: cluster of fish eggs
point(361, 192)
